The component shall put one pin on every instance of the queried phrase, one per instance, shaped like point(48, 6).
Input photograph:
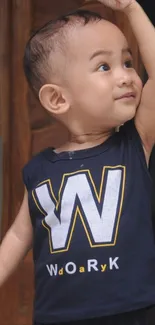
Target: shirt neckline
point(82, 153)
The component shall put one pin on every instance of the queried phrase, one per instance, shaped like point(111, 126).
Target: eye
point(128, 64)
point(104, 67)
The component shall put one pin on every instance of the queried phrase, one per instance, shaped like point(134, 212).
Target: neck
point(85, 141)
point(90, 138)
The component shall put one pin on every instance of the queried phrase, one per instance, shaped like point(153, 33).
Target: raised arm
point(16, 243)
point(144, 32)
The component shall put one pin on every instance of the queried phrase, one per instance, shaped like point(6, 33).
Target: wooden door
point(27, 128)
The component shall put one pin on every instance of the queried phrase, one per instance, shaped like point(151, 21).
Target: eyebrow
point(110, 53)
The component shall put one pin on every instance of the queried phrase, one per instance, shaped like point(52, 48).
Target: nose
point(123, 78)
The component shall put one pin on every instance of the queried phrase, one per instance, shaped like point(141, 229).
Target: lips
point(127, 95)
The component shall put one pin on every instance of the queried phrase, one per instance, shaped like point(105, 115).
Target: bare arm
point(16, 243)
point(144, 32)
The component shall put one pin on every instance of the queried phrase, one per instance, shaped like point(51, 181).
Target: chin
point(132, 115)
point(129, 115)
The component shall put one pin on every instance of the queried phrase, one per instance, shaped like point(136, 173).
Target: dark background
point(149, 7)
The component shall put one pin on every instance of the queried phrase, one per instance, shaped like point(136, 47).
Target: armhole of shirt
point(130, 131)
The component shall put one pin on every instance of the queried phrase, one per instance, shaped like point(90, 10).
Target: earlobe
point(53, 100)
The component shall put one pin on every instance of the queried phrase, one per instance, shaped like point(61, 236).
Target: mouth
point(127, 96)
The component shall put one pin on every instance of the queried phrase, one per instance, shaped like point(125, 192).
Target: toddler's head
point(81, 68)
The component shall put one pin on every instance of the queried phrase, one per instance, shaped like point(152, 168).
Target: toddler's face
point(103, 86)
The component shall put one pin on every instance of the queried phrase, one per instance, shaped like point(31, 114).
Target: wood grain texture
point(20, 127)
point(5, 104)
point(16, 297)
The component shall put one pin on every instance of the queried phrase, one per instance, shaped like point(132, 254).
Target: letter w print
point(99, 211)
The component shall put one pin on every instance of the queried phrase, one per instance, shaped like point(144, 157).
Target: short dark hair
point(48, 40)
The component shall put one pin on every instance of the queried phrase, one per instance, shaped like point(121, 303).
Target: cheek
point(138, 83)
point(90, 90)
point(101, 87)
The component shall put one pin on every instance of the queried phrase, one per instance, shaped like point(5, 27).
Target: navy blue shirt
point(94, 251)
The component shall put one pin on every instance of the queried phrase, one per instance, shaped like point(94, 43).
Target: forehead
point(84, 40)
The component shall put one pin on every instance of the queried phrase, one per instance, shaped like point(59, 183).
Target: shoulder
point(35, 167)
point(36, 159)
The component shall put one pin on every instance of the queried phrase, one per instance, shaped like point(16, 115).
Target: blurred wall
point(0, 181)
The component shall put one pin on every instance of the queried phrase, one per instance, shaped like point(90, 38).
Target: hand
point(117, 4)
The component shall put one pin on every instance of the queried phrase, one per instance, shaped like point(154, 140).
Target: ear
point(52, 98)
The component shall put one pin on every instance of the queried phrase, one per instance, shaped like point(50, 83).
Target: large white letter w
point(99, 226)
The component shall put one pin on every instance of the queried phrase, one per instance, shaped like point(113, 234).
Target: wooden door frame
point(15, 27)
point(20, 128)
point(5, 103)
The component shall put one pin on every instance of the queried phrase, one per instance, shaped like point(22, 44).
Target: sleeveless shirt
point(94, 250)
